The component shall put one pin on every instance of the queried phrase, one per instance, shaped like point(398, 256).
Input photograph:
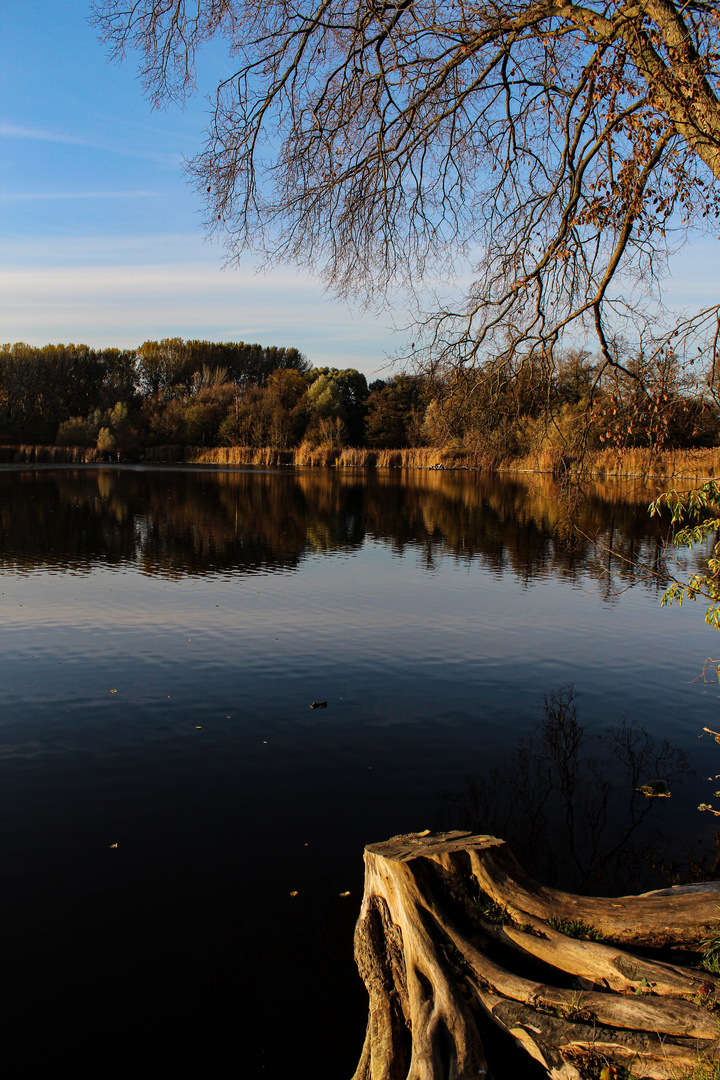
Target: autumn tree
point(173, 365)
point(395, 410)
point(41, 388)
point(336, 403)
point(271, 415)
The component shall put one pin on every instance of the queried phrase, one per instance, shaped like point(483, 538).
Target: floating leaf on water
point(113, 691)
point(654, 789)
point(319, 705)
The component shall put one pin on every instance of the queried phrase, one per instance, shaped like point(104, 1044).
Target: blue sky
point(100, 235)
point(101, 238)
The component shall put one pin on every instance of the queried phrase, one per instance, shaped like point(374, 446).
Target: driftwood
point(454, 940)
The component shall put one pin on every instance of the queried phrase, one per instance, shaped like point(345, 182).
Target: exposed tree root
point(453, 936)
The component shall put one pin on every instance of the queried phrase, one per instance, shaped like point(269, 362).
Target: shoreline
point(636, 463)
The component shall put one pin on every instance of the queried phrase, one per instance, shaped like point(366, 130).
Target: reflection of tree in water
point(567, 803)
point(185, 521)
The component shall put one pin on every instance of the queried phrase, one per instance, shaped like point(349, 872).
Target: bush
point(79, 431)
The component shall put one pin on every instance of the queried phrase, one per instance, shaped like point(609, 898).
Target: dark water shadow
point(568, 803)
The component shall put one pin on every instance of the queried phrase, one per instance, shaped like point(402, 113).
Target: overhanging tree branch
point(552, 146)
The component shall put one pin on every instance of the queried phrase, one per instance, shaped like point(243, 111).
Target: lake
point(182, 834)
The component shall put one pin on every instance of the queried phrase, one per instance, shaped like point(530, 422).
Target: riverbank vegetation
point(234, 403)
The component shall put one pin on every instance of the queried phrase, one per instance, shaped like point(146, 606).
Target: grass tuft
point(711, 953)
point(486, 908)
point(575, 928)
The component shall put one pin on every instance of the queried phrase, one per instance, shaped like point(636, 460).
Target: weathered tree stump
point(453, 938)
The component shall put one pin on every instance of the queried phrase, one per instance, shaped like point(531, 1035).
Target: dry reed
point(599, 464)
point(55, 455)
point(663, 465)
point(695, 464)
point(346, 457)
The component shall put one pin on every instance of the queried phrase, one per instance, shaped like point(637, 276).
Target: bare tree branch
point(557, 148)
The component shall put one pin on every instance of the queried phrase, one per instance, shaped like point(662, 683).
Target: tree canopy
point(165, 365)
point(558, 149)
point(69, 391)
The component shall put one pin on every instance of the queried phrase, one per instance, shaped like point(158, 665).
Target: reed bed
point(240, 455)
point(695, 464)
point(341, 457)
point(54, 455)
point(662, 465)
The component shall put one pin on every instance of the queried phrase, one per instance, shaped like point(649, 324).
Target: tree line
point(201, 393)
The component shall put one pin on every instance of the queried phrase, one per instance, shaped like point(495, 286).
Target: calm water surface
point(163, 635)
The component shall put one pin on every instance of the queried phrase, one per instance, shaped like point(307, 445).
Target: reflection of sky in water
point(353, 611)
point(208, 758)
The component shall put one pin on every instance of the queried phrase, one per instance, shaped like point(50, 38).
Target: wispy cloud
point(109, 249)
point(41, 196)
point(18, 131)
point(15, 131)
point(124, 305)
